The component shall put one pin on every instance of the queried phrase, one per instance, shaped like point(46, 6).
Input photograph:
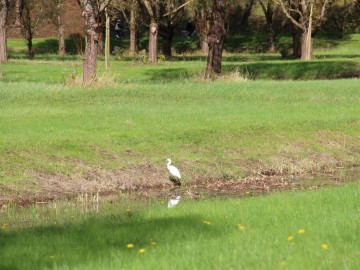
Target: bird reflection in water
point(175, 178)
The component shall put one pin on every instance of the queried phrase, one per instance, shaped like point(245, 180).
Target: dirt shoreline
point(47, 188)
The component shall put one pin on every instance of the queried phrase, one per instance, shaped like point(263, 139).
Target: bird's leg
point(174, 191)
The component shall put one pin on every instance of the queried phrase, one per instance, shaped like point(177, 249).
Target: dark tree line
point(212, 19)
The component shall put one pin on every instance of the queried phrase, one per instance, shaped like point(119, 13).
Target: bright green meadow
point(264, 116)
point(291, 230)
point(138, 115)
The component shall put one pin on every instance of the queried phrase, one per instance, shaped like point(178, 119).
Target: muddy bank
point(96, 182)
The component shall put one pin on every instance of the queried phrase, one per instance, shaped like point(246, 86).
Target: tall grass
point(303, 230)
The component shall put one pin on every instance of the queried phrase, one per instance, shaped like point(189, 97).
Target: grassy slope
point(222, 129)
point(56, 239)
point(228, 125)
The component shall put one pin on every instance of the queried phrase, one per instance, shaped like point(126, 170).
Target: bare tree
point(202, 28)
point(246, 14)
point(60, 26)
point(174, 13)
point(4, 7)
point(165, 12)
point(133, 23)
point(17, 13)
point(92, 11)
point(131, 13)
point(215, 38)
point(153, 9)
point(31, 14)
point(311, 14)
point(274, 22)
point(202, 8)
point(54, 11)
point(340, 11)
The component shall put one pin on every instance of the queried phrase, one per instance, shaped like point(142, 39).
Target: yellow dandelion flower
point(141, 250)
point(290, 238)
point(130, 245)
point(206, 222)
point(301, 231)
point(283, 264)
point(324, 246)
point(5, 227)
point(241, 227)
point(247, 192)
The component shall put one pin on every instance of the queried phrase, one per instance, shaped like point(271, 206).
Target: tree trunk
point(18, 13)
point(101, 44)
point(296, 42)
point(28, 28)
point(3, 37)
point(218, 49)
point(269, 14)
point(246, 14)
point(306, 45)
point(92, 15)
point(29, 43)
point(107, 40)
point(92, 37)
point(90, 63)
point(271, 38)
point(215, 38)
point(60, 25)
point(133, 34)
point(167, 42)
point(204, 47)
point(210, 61)
point(268, 10)
point(306, 40)
point(62, 49)
point(153, 42)
point(202, 30)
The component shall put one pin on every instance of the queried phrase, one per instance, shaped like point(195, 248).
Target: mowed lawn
point(245, 124)
point(226, 129)
point(290, 230)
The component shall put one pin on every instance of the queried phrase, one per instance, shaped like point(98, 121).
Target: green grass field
point(217, 128)
point(301, 230)
point(264, 115)
point(139, 114)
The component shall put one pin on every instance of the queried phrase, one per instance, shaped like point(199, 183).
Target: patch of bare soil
point(46, 187)
point(149, 179)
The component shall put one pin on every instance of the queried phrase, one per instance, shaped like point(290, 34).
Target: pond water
point(253, 186)
point(65, 210)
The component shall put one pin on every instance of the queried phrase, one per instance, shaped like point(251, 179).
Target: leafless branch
point(180, 7)
point(287, 14)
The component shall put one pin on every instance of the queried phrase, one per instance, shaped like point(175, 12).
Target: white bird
point(175, 174)
point(173, 202)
